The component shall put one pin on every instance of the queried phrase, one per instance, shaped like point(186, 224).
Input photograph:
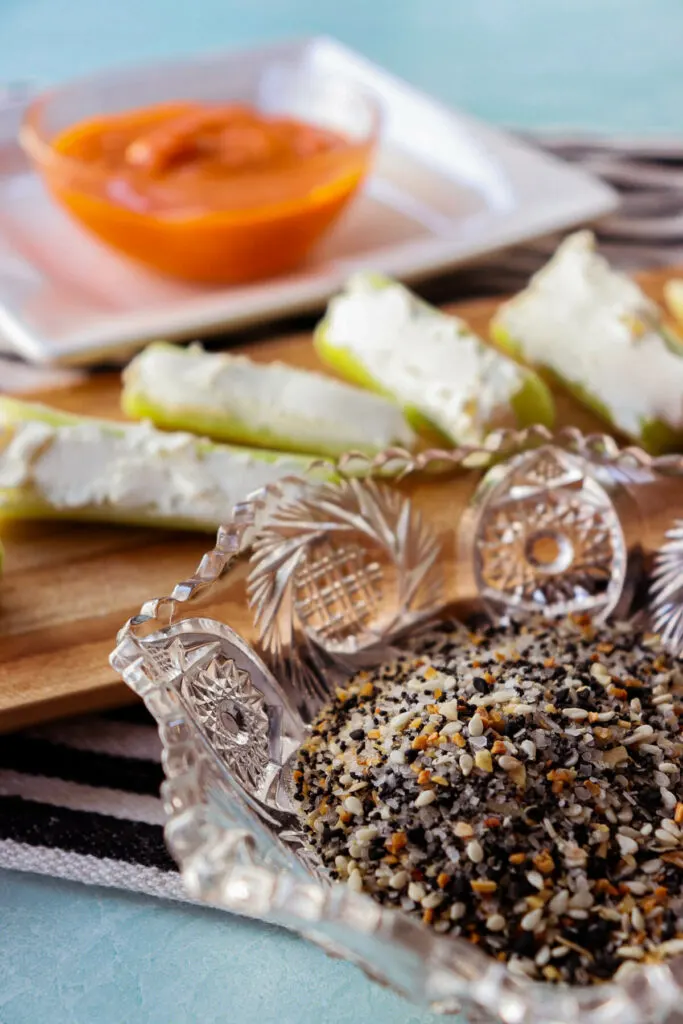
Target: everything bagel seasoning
point(520, 788)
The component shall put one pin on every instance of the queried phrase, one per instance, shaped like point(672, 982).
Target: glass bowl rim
point(38, 147)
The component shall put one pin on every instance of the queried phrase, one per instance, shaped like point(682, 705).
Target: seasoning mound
point(520, 788)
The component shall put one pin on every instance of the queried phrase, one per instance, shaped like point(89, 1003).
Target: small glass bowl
point(232, 713)
point(253, 226)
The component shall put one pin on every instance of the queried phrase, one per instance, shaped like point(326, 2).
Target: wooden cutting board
point(68, 588)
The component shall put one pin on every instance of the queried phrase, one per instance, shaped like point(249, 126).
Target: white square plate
point(445, 189)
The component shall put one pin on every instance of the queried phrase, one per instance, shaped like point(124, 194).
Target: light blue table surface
point(84, 956)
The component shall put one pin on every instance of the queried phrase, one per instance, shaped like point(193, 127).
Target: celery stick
point(448, 382)
point(595, 332)
point(231, 398)
point(57, 465)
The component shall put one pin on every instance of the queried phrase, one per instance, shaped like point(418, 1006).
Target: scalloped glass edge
point(218, 864)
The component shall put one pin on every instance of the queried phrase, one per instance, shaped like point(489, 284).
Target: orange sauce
point(206, 193)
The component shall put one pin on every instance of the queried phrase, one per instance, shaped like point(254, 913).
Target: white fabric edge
point(89, 870)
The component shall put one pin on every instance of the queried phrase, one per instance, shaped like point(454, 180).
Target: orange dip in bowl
point(203, 192)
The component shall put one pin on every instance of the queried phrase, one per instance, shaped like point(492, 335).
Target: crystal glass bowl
point(337, 574)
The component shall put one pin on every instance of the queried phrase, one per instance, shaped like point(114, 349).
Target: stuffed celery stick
point(231, 398)
point(448, 382)
point(53, 464)
point(602, 338)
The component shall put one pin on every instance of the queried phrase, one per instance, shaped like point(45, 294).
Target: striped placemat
point(79, 799)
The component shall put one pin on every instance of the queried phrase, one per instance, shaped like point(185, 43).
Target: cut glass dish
point(338, 574)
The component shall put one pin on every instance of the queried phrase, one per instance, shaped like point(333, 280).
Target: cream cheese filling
point(136, 469)
point(424, 358)
point(313, 411)
point(595, 327)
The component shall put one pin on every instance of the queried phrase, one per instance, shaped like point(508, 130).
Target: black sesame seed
point(668, 925)
point(460, 887)
point(524, 944)
point(416, 835)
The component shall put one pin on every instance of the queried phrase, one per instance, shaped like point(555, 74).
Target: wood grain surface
point(68, 588)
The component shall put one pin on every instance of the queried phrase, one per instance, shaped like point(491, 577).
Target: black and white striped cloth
point(79, 799)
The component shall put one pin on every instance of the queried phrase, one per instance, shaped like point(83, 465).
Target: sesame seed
point(673, 947)
point(355, 881)
point(495, 923)
point(432, 900)
point(668, 798)
point(425, 798)
point(581, 900)
point(627, 844)
point(665, 837)
point(508, 763)
point(600, 673)
point(476, 726)
point(637, 919)
point(399, 880)
point(631, 952)
point(559, 951)
point(475, 852)
point(353, 805)
point(559, 903)
point(532, 920)
point(416, 892)
point(543, 956)
point(400, 721)
point(643, 732)
point(450, 728)
point(497, 697)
